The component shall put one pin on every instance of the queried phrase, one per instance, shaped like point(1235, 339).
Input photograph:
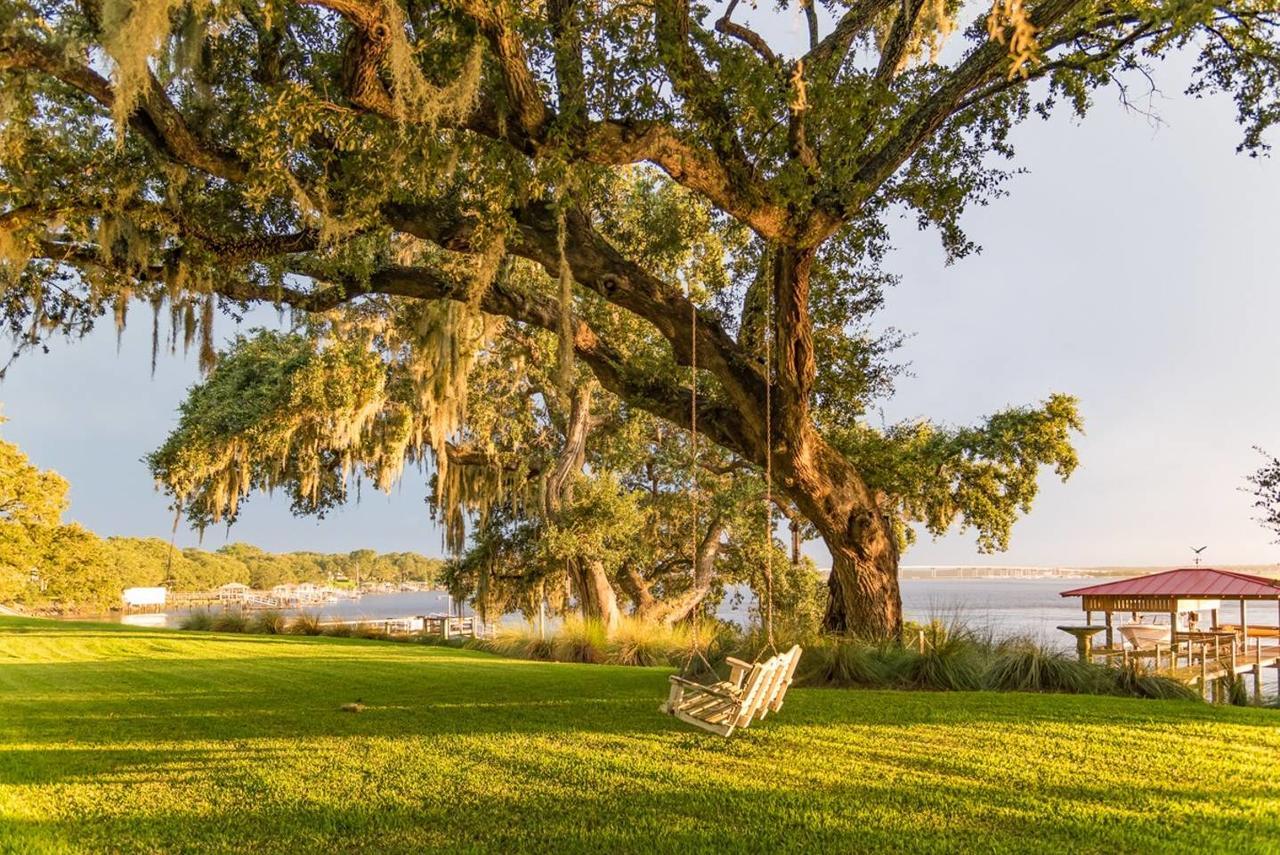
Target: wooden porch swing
point(754, 689)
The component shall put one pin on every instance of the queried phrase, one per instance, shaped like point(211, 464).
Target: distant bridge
point(978, 571)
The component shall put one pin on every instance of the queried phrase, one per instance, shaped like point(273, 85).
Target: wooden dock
point(1201, 659)
point(445, 626)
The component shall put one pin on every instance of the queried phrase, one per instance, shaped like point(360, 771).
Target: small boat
point(1144, 634)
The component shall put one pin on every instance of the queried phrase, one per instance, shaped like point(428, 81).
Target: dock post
point(1204, 672)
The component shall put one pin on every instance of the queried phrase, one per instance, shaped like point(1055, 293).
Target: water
point(1026, 607)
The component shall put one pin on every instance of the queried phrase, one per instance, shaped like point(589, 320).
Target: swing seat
point(753, 690)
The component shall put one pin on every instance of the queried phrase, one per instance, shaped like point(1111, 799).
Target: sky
point(1133, 265)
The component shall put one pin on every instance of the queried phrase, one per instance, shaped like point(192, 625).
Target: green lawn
point(123, 739)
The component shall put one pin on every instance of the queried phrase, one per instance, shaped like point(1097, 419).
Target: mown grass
point(119, 739)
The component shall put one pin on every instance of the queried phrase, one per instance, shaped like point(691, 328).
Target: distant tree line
point(46, 564)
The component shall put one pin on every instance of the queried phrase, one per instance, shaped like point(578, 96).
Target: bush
point(853, 662)
point(953, 660)
point(199, 620)
point(521, 643)
point(581, 641)
point(307, 623)
point(369, 631)
point(269, 622)
point(1027, 667)
point(231, 620)
point(337, 630)
point(647, 643)
point(1139, 684)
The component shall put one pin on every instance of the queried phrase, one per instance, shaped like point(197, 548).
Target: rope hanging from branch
point(768, 473)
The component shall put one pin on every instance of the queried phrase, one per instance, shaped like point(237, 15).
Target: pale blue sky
point(1133, 266)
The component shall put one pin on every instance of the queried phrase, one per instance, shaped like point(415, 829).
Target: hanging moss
point(133, 32)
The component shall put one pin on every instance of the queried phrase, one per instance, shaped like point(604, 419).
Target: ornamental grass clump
point(522, 643)
point(952, 660)
point(307, 623)
point(231, 620)
point(269, 622)
point(853, 662)
point(1138, 683)
point(199, 620)
point(581, 641)
point(646, 643)
point(1026, 667)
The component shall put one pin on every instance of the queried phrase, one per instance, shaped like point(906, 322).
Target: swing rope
point(768, 476)
point(694, 538)
point(695, 533)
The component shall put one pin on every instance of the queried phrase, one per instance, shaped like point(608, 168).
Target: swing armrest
point(737, 663)
point(702, 687)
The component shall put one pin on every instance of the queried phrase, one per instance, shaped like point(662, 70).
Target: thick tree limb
point(157, 119)
point(895, 46)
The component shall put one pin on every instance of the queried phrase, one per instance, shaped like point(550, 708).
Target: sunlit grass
point(114, 738)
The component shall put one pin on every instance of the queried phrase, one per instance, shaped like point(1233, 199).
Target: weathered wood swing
point(754, 689)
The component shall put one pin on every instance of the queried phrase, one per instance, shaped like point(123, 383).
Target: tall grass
point(937, 657)
point(231, 620)
point(307, 623)
point(1027, 667)
point(198, 620)
point(581, 641)
point(269, 622)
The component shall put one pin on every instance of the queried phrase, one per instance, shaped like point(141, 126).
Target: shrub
point(198, 620)
point(853, 662)
point(521, 643)
point(231, 620)
point(370, 631)
point(268, 622)
point(646, 643)
point(1237, 693)
point(336, 630)
point(307, 623)
point(581, 641)
point(952, 660)
point(1027, 667)
point(1139, 684)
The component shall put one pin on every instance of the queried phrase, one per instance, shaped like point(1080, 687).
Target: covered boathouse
point(1180, 620)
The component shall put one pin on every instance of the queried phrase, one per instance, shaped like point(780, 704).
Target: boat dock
point(1208, 659)
point(446, 626)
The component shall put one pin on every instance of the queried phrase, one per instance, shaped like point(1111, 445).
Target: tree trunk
point(864, 596)
point(825, 486)
point(675, 609)
point(596, 597)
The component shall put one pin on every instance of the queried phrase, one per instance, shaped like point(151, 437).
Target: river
point(1005, 607)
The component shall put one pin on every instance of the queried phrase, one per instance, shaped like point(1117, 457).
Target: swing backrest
point(754, 690)
point(786, 673)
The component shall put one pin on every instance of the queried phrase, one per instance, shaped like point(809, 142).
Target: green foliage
point(268, 622)
point(1140, 684)
point(580, 640)
point(980, 477)
point(306, 623)
point(230, 620)
point(1026, 667)
point(1265, 487)
point(197, 620)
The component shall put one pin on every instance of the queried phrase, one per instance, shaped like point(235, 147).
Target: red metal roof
point(1189, 583)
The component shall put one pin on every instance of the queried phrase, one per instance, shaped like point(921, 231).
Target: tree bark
point(597, 600)
point(824, 485)
point(672, 610)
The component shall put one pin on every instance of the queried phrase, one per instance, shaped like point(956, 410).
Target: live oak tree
point(419, 162)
